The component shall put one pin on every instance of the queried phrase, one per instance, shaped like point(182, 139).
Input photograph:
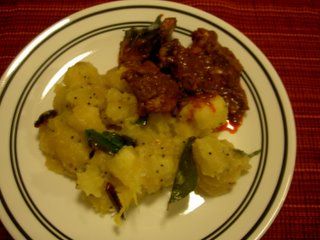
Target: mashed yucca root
point(86, 99)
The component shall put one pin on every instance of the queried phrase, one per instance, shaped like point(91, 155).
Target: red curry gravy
point(163, 73)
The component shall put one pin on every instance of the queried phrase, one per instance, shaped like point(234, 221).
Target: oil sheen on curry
point(163, 73)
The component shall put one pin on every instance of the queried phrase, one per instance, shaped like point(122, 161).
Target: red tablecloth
point(287, 31)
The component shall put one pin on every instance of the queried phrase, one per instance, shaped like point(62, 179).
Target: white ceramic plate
point(38, 204)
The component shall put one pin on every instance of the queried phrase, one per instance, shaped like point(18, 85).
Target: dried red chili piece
point(43, 118)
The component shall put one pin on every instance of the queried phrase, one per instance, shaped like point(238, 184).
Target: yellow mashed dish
point(180, 152)
point(87, 100)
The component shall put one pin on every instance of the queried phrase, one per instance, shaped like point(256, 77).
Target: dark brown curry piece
point(155, 91)
point(140, 45)
point(206, 67)
point(162, 73)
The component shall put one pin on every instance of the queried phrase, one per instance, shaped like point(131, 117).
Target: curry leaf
point(186, 177)
point(109, 142)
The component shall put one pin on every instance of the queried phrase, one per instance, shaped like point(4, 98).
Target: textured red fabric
point(287, 31)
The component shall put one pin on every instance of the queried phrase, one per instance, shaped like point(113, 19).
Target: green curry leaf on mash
point(186, 177)
point(108, 142)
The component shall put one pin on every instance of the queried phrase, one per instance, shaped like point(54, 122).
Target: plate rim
point(18, 61)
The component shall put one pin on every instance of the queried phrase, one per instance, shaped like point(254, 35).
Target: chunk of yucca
point(84, 117)
point(126, 167)
point(91, 181)
point(81, 74)
point(205, 113)
point(63, 146)
point(219, 164)
point(112, 79)
point(120, 106)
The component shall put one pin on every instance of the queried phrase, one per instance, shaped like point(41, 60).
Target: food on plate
point(150, 123)
point(154, 58)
